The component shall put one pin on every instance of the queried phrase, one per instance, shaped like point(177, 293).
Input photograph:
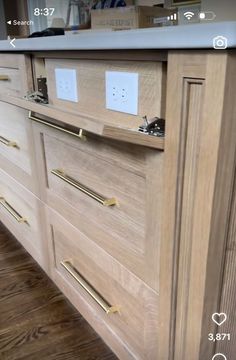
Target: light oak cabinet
point(91, 88)
point(15, 75)
point(21, 212)
point(119, 181)
point(17, 156)
point(137, 231)
point(123, 304)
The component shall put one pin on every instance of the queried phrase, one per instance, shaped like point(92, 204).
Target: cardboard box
point(129, 17)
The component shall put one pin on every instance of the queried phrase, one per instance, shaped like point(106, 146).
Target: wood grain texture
point(37, 321)
point(131, 174)
point(18, 161)
point(134, 137)
point(13, 85)
point(192, 128)
point(224, 242)
point(86, 122)
point(227, 302)
point(136, 322)
point(91, 79)
point(13, 126)
point(82, 121)
point(172, 192)
point(205, 110)
point(224, 117)
point(175, 228)
point(27, 206)
point(18, 69)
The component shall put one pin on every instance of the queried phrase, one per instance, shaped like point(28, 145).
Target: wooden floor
point(36, 320)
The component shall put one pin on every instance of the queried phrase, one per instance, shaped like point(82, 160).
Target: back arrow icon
point(11, 42)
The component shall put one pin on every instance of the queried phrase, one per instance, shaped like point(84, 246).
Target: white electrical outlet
point(122, 92)
point(66, 84)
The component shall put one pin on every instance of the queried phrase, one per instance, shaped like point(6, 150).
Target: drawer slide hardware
point(101, 199)
point(4, 78)
point(154, 127)
point(79, 135)
point(8, 142)
point(12, 211)
point(88, 288)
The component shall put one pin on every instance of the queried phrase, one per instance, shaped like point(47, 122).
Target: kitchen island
point(137, 230)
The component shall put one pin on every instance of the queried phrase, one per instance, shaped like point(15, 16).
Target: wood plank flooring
point(36, 320)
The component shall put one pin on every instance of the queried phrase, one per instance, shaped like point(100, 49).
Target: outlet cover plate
point(122, 91)
point(66, 84)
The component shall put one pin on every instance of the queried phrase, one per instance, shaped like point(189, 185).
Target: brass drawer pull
point(101, 199)
point(8, 142)
point(12, 211)
point(4, 77)
point(79, 135)
point(88, 288)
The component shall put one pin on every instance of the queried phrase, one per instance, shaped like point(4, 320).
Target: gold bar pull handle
point(66, 264)
point(69, 180)
point(4, 78)
point(79, 134)
point(12, 211)
point(8, 142)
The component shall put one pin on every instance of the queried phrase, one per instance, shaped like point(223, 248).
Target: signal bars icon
point(172, 17)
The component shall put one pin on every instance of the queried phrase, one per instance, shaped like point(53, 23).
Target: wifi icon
point(188, 15)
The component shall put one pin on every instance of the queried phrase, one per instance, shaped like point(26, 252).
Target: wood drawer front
point(16, 148)
point(136, 321)
point(19, 211)
point(15, 75)
point(91, 89)
point(130, 230)
point(10, 81)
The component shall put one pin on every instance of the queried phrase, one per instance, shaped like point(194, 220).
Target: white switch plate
point(66, 84)
point(122, 92)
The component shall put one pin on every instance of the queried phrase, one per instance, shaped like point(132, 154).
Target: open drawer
point(92, 88)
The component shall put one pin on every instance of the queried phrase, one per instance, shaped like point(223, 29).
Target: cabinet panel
point(21, 214)
point(135, 322)
point(228, 292)
point(200, 109)
point(91, 89)
point(128, 230)
point(16, 145)
point(15, 75)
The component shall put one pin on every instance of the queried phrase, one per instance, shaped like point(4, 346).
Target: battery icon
point(207, 15)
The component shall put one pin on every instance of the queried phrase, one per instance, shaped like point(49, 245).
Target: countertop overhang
point(194, 36)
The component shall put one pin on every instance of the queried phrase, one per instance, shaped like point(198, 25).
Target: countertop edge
point(195, 36)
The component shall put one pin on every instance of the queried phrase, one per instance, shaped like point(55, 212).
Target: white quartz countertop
point(194, 36)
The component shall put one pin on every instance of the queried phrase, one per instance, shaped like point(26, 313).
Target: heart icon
point(219, 318)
